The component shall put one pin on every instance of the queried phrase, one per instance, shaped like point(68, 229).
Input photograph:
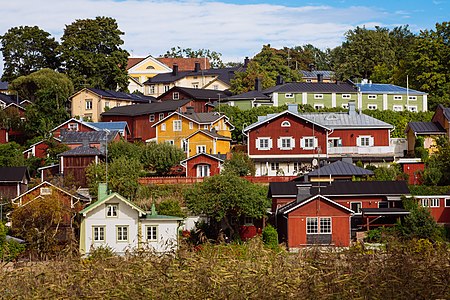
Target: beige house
point(140, 69)
point(90, 103)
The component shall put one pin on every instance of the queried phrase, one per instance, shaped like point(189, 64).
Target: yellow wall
point(142, 74)
point(213, 146)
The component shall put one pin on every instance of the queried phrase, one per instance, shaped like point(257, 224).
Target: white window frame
point(264, 143)
point(397, 107)
point(285, 124)
point(191, 125)
point(203, 170)
point(153, 233)
point(206, 127)
point(275, 166)
point(166, 88)
point(318, 105)
point(195, 85)
point(160, 116)
point(151, 89)
point(122, 233)
point(283, 140)
point(412, 108)
point(346, 96)
point(328, 226)
point(112, 210)
point(412, 98)
point(307, 139)
point(318, 96)
point(398, 97)
point(368, 138)
point(371, 97)
point(315, 225)
point(72, 126)
point(151, 118)
point(430, 202)
point(177, 125)
point(163, 127)
point(372, 106)
point(98, 233)
point(331, 142)
point(171, 142)
point(45, 191)
point(201, 149)
point(358, 211)
point(106, 104)
point(344, 105)
point(289, 95)
point(176, 96)
point(88, 104)
point(445, 202)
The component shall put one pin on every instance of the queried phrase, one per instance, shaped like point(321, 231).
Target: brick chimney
point(197, 66)
point(258, 84)
point(175, 70)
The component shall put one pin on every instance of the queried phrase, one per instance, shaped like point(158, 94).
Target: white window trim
point(318, 96)
point(344, 105)
point(372, 106)
point(372, 97)
point(335, 139)
point(289, 95)
point(177, 94)
point(151, 118)
point(346, 96)
point(285, 124)
point(117, 210)
point(177, 127)
point(161, 116)
point(45, 191)
point(303, 142)
point(280, 142)
point(412, 108)
point(191, 125)
point(359, 138)
point(117, 234)
point(89, 107)
point(397, 107)
point(318, 105)
point(269, 143)
point(163, 127)
point(93, 233)
point(146, 233)
point(201, 147)
point(72, 126)
point(360, 203)
point(398, 97)
point(445, 202)
point(318, 219)
point(412, 98)
point(202, 167)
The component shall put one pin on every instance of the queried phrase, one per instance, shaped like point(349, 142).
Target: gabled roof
point(198, 94)
point(297, 204)
point(132, 61)
point(82, 151)
point(145, 109)
point(185, 63)
point(13, 174)
point(312, 87)
point(109, 197)
point(343, 120)
point(252, 95)
point(46, 183)
point(70, 137)
point(270, 117)
point(384, 88)
point(340, 168)
point(199, 118)
point(283, 189)
point(445, 111)
point(71, 120)
point(16, 105)
point(218, 157)
point(111, 126)
point(7, 99)
point(313, 74)
point(135, 98)
point(3, 85)
point(426, 128)
point(212, 134)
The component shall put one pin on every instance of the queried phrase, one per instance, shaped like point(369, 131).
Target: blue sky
point(234, 28)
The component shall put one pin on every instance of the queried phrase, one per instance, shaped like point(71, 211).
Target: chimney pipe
point(197, 66)
point(280, 80)
point(175, 70)
point(312, 67)
point(351, 108)
point(258, 84)
point(319, 77)
point(246, 61)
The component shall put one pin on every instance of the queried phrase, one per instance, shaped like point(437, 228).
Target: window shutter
point(358, 141)
point(302, 143)
point(270, 144)
point(279, 144)
point(371, 142)
point(257, 143)
point(292, 143)
point(316, 142)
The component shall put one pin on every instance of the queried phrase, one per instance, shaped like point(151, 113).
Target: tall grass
point(417, 270)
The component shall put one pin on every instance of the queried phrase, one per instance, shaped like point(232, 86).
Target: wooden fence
point(192, 180)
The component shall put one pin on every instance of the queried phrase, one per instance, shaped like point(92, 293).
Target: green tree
point(437, 171)
point(11, 155)
point(123, 148)
point(49, 91)
point(171, 207)
point(245, 81)
point(161, 157)
point(9, 250)
point(92, 54)
point(239, 164)
point(223, 197)
point(27, 49)
point(215, 58)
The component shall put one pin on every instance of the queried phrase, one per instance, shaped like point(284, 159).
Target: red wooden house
point(439, 206)
point(203, 164)
point(13, 181)
point(140, 118)
point(290, 142)
point(4, 138)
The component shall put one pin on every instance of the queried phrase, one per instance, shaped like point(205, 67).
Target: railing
point(374, 150)
point(192, 180)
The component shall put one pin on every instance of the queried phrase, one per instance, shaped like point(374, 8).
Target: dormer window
point(286, 124)
point(45, 191)
point(72, 126)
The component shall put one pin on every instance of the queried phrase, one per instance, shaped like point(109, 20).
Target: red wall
point(299, 128)
point(191, 169)
point(340, 223)
point(199, 105)
point(441, 214)
point(349, 136)
point(81, 128)
point(413, 172)
point(40, 150)
point(3, 136)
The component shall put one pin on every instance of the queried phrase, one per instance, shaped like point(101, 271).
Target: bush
point(270, 237)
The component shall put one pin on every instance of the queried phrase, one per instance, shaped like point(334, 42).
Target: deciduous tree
point(215, 58)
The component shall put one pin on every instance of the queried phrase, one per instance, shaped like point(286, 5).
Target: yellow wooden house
point(141, 69)
point(196, 132)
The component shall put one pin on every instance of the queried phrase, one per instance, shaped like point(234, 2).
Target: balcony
point(367, 151)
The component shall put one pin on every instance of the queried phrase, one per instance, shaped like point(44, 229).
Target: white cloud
point(152, 27)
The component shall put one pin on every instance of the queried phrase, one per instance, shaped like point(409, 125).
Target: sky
point(234, 28)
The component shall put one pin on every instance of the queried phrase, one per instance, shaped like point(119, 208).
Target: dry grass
point(415, 271)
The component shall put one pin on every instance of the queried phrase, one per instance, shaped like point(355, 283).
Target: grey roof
point(340, 168)
point(82, 151)
point(123, 96)
point(144, 109)
point(213, 133)
point(69, 137)
point(8, 99)
point(13, 174)
point(3, 85)
point(224, 74)
point(111, 126)
point(384, 88)
point(199, 94)
point(283, 189)
point(208, 117)
point(426, 128)
point(252, 95)
point(312, 87)
point(446, 111)
point(335, 120)
point(385, 211)
point(313, 74)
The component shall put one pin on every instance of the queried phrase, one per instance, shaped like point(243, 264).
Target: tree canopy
point(215, 58)
point(92, 54)
point(27, 49)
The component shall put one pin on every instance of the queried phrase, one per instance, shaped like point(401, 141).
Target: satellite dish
point(314, 162)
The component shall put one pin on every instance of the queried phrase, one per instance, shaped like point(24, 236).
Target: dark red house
point(292, 143)
point(13, 181)
point(72, 125)
point(201, 98)
point(439, 206)
point(73, 164)
point(140, 118)
point(203, 164)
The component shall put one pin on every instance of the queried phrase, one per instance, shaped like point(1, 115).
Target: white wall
point(167, 235)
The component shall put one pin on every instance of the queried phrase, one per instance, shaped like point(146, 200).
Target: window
point(447, 202)
point(152, 233)
point(318, 106)
point(308, 80)
point(297, 166)
point(88, 104)
point(364, 141)
point(46, 191)
point(117, 104)
point(356, 207)
point(151, 118)
point(318, 225)
point(274, 166)
point(191, 125)
point(161, 116)
point(263, 143)
point(430, 202)
point(205, 127)
point(412, 108)
point(122, 233)
point(308, 142)
point(335, 142)
point(372, 97)
point(184, 145)
point(72, 127)
point(177, 125)
point(372, 106)
point(289, 95)
point(111, 210)
point(398, 97)
point(106, 105)
point(318, 96)
point(412, 98)
point(346, 96)
point(195, 85)
point(99, 233)
point(285, 143)
point(202, 170)
point(171, 142)
point(151, 89)
point(344, 105)
point(163, 127)
point(397, 107)
point(201, 149)
point(285, 124)
point(176, 96)
point(215, 87)
point(166, 87)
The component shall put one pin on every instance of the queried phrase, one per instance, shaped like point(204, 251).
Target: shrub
point(270, 237)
